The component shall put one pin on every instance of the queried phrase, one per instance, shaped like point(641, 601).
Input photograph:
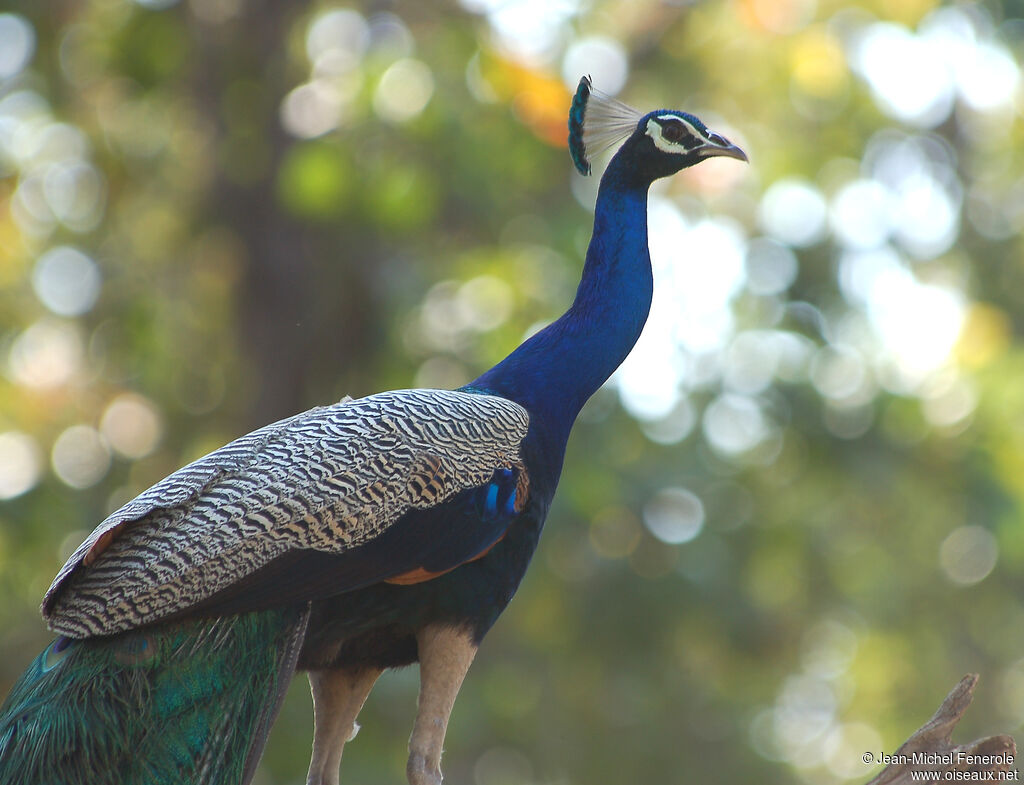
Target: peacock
point(352, 538)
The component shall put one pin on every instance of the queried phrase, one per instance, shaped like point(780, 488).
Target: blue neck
point(554, 372)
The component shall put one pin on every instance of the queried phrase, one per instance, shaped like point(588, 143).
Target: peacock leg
point(445, 655)
point(338, 695)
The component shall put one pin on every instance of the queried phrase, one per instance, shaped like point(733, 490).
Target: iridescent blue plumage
point(403, 522)
point(498, 497)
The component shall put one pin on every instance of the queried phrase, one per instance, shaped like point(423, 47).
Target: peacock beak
point(720, 147)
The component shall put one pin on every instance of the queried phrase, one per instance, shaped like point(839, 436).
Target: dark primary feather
point(185, 703)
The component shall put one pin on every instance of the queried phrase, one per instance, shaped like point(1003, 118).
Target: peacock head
point(658, 144)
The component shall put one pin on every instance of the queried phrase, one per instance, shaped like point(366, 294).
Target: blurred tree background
point(786, 527)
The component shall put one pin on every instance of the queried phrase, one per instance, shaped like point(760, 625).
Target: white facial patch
point(656, 131)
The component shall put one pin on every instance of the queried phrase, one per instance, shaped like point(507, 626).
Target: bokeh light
point(771, 266)
point(968, 555)
point(66, 281)
point(907, 74)
point(20, 464)
point(600, 57)
point(674, 515)
point(131, 425)
point(793, 211)
point(735, 424)
point(17, 44)
point(531, 30)
point(337, 40)
point(404, 91)
point(47, 354)
point(860, 214)
point(80, 457)
point(311, 110)
point(691, 315)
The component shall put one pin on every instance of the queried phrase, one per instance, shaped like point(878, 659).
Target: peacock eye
point(673, 131)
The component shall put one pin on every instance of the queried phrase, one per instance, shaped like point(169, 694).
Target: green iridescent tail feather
point(186, 702)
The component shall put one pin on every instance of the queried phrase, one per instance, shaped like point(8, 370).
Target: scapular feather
point(157, 706)
point(596, 122)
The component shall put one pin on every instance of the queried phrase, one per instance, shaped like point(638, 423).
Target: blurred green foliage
point(757, 568)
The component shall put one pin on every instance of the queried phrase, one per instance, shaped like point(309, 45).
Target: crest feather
point(596, 122)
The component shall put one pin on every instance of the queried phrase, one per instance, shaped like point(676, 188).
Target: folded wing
point(328, 480)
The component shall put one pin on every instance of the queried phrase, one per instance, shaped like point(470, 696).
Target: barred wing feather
point(329, 479)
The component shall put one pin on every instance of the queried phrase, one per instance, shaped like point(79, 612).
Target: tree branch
point(931, 748)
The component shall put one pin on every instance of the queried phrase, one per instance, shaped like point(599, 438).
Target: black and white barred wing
point(329, 479)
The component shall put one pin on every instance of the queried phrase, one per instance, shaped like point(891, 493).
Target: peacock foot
point(421, 771)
